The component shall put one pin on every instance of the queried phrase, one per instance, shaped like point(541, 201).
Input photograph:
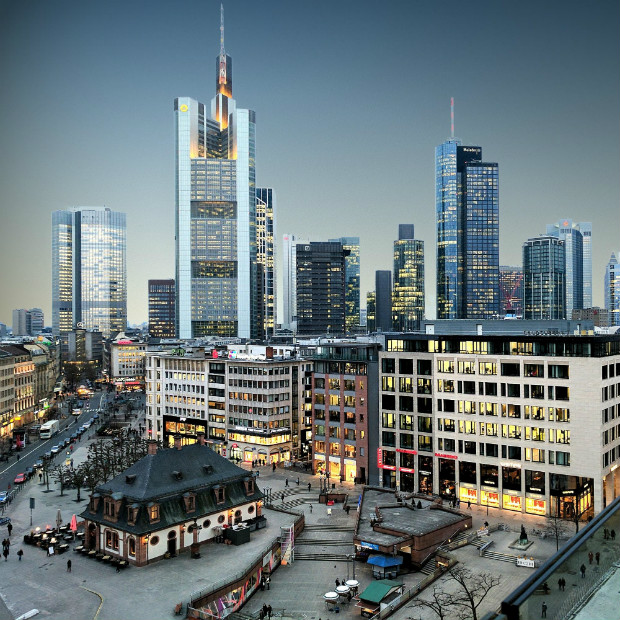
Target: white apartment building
point(250, 409)
point(527, 423)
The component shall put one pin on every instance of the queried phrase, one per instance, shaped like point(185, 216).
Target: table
point(354, 584)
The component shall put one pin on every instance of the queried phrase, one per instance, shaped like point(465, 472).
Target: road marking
point(100, 598)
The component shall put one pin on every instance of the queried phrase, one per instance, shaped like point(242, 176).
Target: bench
point(78, 549)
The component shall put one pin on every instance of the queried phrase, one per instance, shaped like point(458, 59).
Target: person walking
point(310, 507)
point(309, 486)
point(544, 610)
point(582, 568)
point(9, 527)
point(5, 553)
point(68, 566)
point(269, 610)
point(560, 584)
point(469, 504)
point(613, 534)
point(20, 553)
point(297, 480)
point(337, 582)
point(286, 482)
point(590, 557)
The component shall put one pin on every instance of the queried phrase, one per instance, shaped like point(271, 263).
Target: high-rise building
point(216, 258)
point(162, 294)
point(467, 210)
point(383, 300)
point(544, 283)
point(320, 288)
point(289, 280)
point(371, 311)
point(20, 322)
point(266, 259)
point(89, 270)
point(612, 290)
point(36, 319)
point(351, 280)
point(511, 291)
point(577, 237)
point(28, 322)
point(408, 290)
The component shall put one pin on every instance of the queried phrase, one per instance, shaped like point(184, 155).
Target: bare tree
point(78, 478)
point(556, 528)
point(440, 603)
point(59, 474)
point(472, 590)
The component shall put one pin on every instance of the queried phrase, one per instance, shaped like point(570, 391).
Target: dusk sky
point(351, 98)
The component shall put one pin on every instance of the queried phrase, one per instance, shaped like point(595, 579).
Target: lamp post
point(146, 543)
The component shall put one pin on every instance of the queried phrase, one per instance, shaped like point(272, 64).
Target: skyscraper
point(89, 270)
point(162, 304)
point(383, 300)
point(371, 305)
point(216, 261)
point(289, 280)
point(20, 322)
point(408, 290)
point(612, 290)
point(320, 288)
point(544, 283)
point(351, 280)
point(467, 211)
point(510, 291)
point(266, 259)
point(577, 237)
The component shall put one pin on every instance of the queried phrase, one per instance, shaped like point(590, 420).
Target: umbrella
point(58, 518)
point(73, 526)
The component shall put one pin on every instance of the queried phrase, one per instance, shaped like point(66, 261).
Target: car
point(47, 456)
point(39, 464)
point(55, 450)
point(4, 520)
point(29, 472)
point(86, 425)
point(20, 479)
point(4, 496)
point(74, 436)
point(96, 416)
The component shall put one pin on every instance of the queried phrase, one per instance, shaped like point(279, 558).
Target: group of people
point(265, 611)
point(6, 544)
point(609, 535)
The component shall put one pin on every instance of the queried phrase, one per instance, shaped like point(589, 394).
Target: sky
point(351, 98)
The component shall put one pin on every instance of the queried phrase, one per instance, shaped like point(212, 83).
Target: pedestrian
point(286, 482)
point(68, 566)
point(582, 568)
point(309, 486)
point(18, 456)
point(20, 553)
point(282, 496)
point(560, 584)
point(469, 504)
point(269, 610)
point(310, 507)
point(9, 527)
point(40, 477)
point(297, 480)
point(264, 609)
point(337, 582)
point(118, 568)
point(486, 525)
point(273, 466)
point(613, 534)
point(5, 553)
point(268, 582)
point(590, 557)
point(544, 610)
point(598, 558)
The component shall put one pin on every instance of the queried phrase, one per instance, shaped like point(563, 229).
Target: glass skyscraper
point(89, 270)
point(612, 290)
point(467, 214)
point(289, 280)
point(408, 289)
point(544, 282)
point(266, 259)
point(216, 246)
point(511, 291)
point(352, 280)
point(383, 300)
point(162, 295)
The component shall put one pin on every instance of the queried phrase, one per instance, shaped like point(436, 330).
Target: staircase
point(429, 567)
point(502, 557)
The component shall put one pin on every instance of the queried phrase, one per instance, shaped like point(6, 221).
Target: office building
point(20, 323)
point(289, 280)
point(511, 291)
point(598, 316)
point(351, 281)
point(216, 253)
point(162, 295)
point(36, 320)
point(383, 301)
point(371, 309)
point(266, 259)
point(612, 290)
point(89, 270)
point(28, 322)
point(320, 288)
point(517, 422)
point(544, 284)
point(467, 212)
point(408, 289)
point(577, 237)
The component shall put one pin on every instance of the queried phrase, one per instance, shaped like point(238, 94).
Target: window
point(111, 540)
point(387, 384)
point(562, 392)
point(424, 367)
point(470, 447)
point(492, 450)
point(388, 401)
point(132, 546)
point(445, 366)
point(443, 443)
point(425, 443)
point(405, 384)
point(468, 368)
point(407, 441)
point(558, 371)
point(490, 389)
point(446, 424)
point(154, 540)
point(388, 365)
point(425, 405)
point(221, 519)
point(407, 460)
point(109, 508)
point(425, 424)
point(467, 406)
point(562, 458)
point(467, 426)
point(487, 368)
point(510, 370)
point(425, 386)
point(388, 421)
point(467, 472)
point(514, 390)
point(219, 494)
point(405, 403)
point(562, 436)
point(406, 422)
point(405, 366)
point(533, 370)
point(154, 513)
point(388, 438)
point(206, 523)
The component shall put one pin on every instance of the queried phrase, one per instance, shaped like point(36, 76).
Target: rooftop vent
point(208, 469)
point(130, 479)
point(178, 475)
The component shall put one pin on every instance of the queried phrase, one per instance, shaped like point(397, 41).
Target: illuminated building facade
point(351, 281)
point(266, 259)
point(516, 422)
point(216, 257)
point(289, 280)
point(408, 289)
point(371, 311)
point(612, 290)
point(544, 284)
point(511, 291)
point(162, 304)
point(467, 212)
point(89, 270)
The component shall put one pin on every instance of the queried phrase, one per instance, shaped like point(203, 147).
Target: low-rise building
point(24, 380)
point(169, 502)
point(127, 360)
point(7, 397)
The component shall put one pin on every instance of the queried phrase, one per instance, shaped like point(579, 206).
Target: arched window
point(132, 546)
point(172, 534)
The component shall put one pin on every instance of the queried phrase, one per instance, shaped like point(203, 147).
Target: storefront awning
point(385, 560)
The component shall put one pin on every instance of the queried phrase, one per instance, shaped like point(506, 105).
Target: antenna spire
point(451, 116)
point(222, 52)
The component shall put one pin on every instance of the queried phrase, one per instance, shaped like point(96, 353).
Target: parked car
point(29, 472)
point(39, 464)
point(55, 450)
point(4, 520)
point(4, 496)
point(20, 479)
point(87, 425)
point(47, 456)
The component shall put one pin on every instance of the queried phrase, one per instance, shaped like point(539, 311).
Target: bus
point(49, 429)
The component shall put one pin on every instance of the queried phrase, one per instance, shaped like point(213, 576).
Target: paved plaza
point(95, 588)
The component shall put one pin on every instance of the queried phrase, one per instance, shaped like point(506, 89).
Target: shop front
point(571, 497)
point(425, 474)
point(188, 428)
point(447, 477)
point(489, 498)
point(407, 480)
point(535, 505)
point(512, 502)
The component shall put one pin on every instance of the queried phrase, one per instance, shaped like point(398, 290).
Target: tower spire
point(222, 52)
point(451, 114)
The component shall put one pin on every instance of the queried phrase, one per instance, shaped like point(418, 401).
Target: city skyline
point(97, 143)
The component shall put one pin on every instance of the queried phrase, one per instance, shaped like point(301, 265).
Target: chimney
point(151, 446)
point(201, 438)
point(269, 353)
point(177, 442)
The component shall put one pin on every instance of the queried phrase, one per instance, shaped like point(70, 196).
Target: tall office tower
point(36, 321)
point(162, 302)
point(371, 312)
point(20, 322)
point(408, 290)
point(612, 290)
point(510, 291)
point(289, 280)
point(383, 301)
point(89, 270)
point(544, 283)
point(320, 288)
point(266, 259)
point(215, 250)
point(577, 237)
point(352, 280)
point(467, 210)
